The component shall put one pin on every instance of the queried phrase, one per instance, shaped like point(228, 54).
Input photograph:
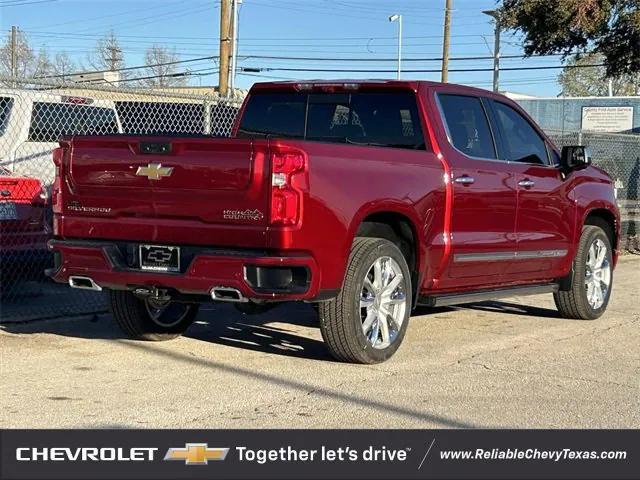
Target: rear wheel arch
point(399, 229)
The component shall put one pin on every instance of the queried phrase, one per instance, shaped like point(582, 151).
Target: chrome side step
point(483, 295)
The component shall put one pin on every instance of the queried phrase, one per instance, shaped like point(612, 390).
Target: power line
point(282, 39)
point(288, 44)
point(334, 11)
point(267, 57)
point(124, 69)
point(7, 5)
point(101, 17)
point(139, 22)
point(336, 59)
point(459, 70)
point(360, 59)
point(186, 73)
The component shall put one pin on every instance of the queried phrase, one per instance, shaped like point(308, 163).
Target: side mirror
point(575, 158)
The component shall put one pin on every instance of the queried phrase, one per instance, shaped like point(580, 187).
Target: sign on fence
point(607, 119)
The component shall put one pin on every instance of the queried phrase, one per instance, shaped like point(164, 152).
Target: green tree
point(610, 28)
point(578, 80)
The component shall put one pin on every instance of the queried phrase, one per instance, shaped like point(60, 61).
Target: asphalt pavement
point(502, 364)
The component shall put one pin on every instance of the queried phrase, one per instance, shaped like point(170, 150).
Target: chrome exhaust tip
point(84, 283)
point(227, 294)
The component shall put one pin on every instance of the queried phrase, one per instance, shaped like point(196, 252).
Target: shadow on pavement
point(493, 306)
point(249, 332)
point(95, 326)
point(268, 332)
point(513, 309)
point(219, 324)
point(224, 325)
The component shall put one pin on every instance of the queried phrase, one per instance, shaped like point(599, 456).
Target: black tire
point(341, 323)
point(574, 303)
point(132, 316)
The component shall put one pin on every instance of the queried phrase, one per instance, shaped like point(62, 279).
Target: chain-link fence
point(619, 156)
point(34, 115)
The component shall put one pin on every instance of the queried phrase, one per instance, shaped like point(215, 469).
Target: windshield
point(380, 119)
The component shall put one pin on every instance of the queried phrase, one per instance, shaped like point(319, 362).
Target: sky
point(356, 30)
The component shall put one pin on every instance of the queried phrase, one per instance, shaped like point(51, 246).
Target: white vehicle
point(32, 122)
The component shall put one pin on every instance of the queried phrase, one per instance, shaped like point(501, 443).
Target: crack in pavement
point(553, 376)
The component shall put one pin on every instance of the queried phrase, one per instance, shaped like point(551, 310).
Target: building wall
point(565, 114)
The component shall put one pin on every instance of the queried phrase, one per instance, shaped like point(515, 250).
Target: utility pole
point(14, 55)
point(235, 10)
point(225, 50)
point(496, 48)
point(445, 40)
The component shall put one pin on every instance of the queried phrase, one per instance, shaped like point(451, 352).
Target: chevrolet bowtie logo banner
point(154, 171)
point(318, 454)
point(196, 454)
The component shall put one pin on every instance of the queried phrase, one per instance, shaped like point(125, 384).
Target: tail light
point(288, 167)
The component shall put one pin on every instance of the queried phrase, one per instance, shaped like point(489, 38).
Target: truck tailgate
point(199, 186)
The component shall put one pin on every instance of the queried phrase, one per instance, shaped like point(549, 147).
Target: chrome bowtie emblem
point(154, 171)
point(159, 256)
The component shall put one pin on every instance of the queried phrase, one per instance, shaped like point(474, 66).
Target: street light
point(496, 48)
point(393, 18)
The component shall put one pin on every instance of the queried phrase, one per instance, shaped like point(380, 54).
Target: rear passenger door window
point(521, 141)
point(467, 125)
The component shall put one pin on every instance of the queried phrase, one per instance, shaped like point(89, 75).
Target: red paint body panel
point(204, 272)
point(218, 196)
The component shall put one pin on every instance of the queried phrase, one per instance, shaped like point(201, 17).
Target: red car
point(24, 229)
point(365, 197)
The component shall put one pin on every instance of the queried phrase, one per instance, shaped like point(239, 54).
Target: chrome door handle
point(465, 180)
point(526, 183)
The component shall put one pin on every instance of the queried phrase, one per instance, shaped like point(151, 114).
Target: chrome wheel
point(164, 312)
point(383, 302)
point(597, 274)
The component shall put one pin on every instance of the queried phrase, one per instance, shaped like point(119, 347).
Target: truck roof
point(356, 84)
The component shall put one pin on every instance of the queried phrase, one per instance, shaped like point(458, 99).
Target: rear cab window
point(384, 119)
point(52, 121)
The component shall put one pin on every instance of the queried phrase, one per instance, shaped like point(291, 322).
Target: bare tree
point(161, 71)
point(107, 54)
point(42, 65)
point(25, 57)
point(63, 65)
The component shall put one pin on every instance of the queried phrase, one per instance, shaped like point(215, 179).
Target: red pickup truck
point(364, 197)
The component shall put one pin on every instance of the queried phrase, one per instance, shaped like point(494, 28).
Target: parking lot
point(504, 364)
